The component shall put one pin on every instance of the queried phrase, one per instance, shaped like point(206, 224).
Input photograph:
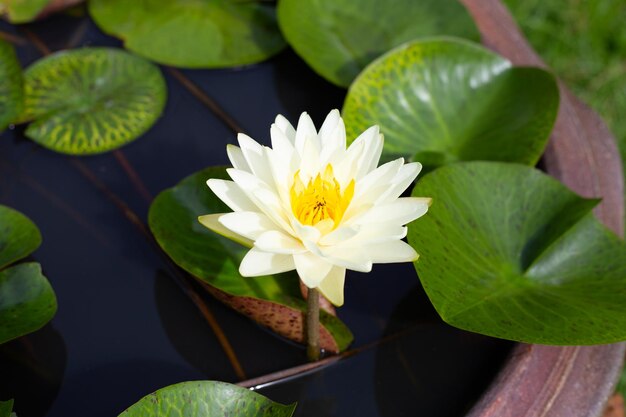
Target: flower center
point(320, 199)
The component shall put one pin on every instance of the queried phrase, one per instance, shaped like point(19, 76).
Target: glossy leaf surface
point(11, 85)
point(207, 399)
point(22, 11)
point(91, 100)
point(509, 252)
point(27, 301)
point(338, 38)
point(444, 100)
point(214, 33)
point(273, 301)
point(19, 237)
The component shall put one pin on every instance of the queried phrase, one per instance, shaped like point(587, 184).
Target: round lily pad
point(207, 399)
point(11, 85)
point(443, 100)
point(509, 252)
point(91, 100)
point(192, 34)
point(338, 38)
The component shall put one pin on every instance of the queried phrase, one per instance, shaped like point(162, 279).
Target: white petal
point(231, 194)
point(348, 258)
point(277, 242)
point(263, 197)
point(280, 143)
point(401, 211)
point(211, 221)
point(236, 158)
point(305, 233)
point(311, 268)
point(284, 125)
point(372, 233)
point(371, 154)
point(310, 159)
point(370, 188)
point(332, 285)
point(391, 252)
point(403, 179)
point(247, 223)
point(339, 235)
point(329, 123)
point(255, 156)
point(258, 263)
point(304, 131)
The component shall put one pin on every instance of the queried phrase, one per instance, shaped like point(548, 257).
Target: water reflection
point(32, 369)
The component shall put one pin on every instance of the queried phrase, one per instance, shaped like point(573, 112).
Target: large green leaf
point(91, 100)
point(11, 85)
point(22, 11)
point(273, 301)
point(207, 399)
point(508, 251)
point(19, 237)
point(27, 301)
point(338, 38)
point(5, 408)
point(192, 34)
point(445, 100)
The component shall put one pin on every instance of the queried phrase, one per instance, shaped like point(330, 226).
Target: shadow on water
point(422, 373)
point(31, 371)
point(300, 89)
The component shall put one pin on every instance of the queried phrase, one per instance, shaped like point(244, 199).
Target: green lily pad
point(338, 38)
point(19, 237)
point(192, 34)
point(27, 301)
point(444, 100)
point(91, 100)
point(11, 85)
point(273, 301)
point(207, 399)
point(621, 385)
point(22, 11)
point(509, 252)
point(5, 408)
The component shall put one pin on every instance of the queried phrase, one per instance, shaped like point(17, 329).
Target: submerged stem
point(313, 325)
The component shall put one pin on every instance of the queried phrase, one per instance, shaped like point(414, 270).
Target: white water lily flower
point(310, 204)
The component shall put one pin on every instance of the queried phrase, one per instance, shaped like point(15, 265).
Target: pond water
point(124, 327)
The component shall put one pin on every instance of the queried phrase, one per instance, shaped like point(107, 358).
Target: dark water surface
point(124, 328)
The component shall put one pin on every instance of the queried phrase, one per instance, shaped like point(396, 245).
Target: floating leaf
point(509, 252)
point(207, 399)
point(11, 85)
point(27, 301)
point(22, 11)
point(19, 237)
point(338, 38)
point(5, 408)
point(91, 100)
point(273, 301)
point(445, 100)
point(192, 34)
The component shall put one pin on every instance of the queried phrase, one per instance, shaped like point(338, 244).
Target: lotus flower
point(309, 204)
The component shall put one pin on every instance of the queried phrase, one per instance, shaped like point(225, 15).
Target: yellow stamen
point(320, 199)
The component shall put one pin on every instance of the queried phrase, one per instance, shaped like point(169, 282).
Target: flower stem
point(313, 325)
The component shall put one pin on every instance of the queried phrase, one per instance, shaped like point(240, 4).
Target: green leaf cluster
point(510, 252)
point(339, 38)
point(273, 301)
point(207, 399)
point(444, 100)
point(192, 34)
point(27, 301)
